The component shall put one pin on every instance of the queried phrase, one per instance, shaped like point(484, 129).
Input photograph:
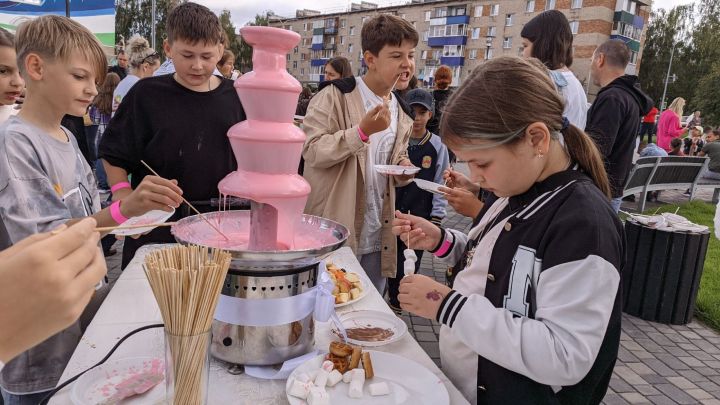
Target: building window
point(633, 57)
point(574, 26)
point(425, 36)
point(423, 55)
point(509, 20)
point(476, 33)
point(576, 4)
point(413, 23)
point(305, 27)
point(492, 31)
point(550, 5)
point(437, 54)
point(507, 42)
point(287, 57)
point(342, 40)
point(352, 30)
point(473, 54)
point(428, 14)
point(302, 71)
point(495, 9)
point(350, 46)
point(295, 50)
point(488, 53)
point(364, 19)
point(530, 6)
point(294, 64)
point(303, 56)
point(343, 23)
point(478, 11)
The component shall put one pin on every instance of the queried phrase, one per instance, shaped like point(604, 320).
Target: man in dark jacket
point(122, 64)
point(614, 117)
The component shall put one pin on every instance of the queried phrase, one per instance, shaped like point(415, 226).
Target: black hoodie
point(613, 121)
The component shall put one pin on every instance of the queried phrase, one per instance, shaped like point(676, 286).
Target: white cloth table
point(131, 305)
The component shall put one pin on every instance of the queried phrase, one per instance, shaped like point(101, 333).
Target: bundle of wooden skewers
point(186, 282)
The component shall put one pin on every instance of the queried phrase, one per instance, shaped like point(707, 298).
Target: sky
point(245, 10)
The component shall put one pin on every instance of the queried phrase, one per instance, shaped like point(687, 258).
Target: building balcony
point(452, 60)
point(329, 46)
point(331, 30)
point(432, 62)
point(316, 47)
point(317, 78)
point(631, 43)
point(435, 42)
point(318, 31)
point(319, 62)
point(458, 19)
point(630, 19)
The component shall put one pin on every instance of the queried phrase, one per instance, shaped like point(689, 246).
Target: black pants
point(394, 283)
point(647, 128)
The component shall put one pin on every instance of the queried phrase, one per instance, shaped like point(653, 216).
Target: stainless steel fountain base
point(267, 275)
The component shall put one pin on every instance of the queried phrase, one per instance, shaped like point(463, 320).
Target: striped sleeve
point(449, 308)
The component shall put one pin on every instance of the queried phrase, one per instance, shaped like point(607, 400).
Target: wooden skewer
point(112, 228)
point(189, 205)
point(391, 90)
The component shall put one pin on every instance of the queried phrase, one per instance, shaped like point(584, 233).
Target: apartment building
point(462, 34)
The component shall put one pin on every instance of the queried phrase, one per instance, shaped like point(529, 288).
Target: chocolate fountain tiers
point(265, 314)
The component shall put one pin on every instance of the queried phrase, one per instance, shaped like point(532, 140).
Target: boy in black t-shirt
point(427, 152)
point(177, 123)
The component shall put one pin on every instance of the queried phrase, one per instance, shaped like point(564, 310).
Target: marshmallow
point(300, 389)
point(347, 377)
point(334, 378)
point(356, 383)
point(321, 378)
point(327, 366)
point(318, 396)
point(409, 267)
point(378, 389)
point(302, 377)
point(410, 254)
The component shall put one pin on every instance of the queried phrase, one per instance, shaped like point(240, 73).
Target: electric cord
point(107, 356)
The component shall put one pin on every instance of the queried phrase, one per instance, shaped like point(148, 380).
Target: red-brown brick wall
point(595, 26)
point(562, 4)
point(599, 3)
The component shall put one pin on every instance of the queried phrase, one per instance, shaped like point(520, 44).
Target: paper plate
point(150, 217)
point(689, 227)
point(409, 382)
point(374, 319)
point(396, 170)
point(429, 186)
point(98, 385)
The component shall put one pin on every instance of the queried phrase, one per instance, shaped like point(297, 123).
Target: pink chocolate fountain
point(275, 247)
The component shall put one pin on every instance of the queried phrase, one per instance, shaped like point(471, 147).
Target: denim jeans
point(615, 203)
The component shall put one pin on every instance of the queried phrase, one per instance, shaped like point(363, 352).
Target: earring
point(540, 154)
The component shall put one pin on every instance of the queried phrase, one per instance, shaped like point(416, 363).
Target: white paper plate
point(673, 218)
point(396, 170)
point(689, 227)
point(150, 217)
point(365, 284)
point(98, 384)
point(429, 186)
point(409, 382)
point(374, 319)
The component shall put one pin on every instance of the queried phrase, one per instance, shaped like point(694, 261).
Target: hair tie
point(565, 124)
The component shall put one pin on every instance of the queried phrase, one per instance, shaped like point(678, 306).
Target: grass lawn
point(708, 300)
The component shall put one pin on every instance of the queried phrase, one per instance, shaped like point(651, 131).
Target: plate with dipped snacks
point(369, 328)
point(350, 375)
point(396, 170)
point(429, 186)
point(349, 288)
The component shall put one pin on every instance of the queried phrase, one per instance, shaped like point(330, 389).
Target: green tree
point(232, 34)
point(706, 96)
point(135, 17)
point(245, 53)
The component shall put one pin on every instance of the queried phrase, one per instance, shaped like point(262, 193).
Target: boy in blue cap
point(427, 152)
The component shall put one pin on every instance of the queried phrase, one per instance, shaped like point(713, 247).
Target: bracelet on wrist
point(116, 214)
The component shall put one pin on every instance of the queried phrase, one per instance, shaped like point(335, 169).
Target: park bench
point(668, 173)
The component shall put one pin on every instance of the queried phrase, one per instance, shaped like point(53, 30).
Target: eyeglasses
point(151, 58)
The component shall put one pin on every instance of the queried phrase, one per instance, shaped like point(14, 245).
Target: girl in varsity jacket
point(534, 316)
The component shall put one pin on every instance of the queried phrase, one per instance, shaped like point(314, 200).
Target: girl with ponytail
point(534, 314)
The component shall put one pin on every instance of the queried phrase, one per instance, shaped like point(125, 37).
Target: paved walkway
point(657, 364)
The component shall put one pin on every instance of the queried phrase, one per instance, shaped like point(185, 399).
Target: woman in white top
point(143, 62)
point(548, 37)
point(11, 84)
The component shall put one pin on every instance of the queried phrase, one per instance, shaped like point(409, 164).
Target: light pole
point(667, 78)
point(152, 24)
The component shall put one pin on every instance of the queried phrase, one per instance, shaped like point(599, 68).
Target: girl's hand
point(423, 234)
point(463, 202)
point(154, 193)
point(405, 177)
point(422, 295)
point(455, 179)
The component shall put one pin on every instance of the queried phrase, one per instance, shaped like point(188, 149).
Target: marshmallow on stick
point(410, 257)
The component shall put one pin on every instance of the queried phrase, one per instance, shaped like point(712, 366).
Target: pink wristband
point(120, 186)
point(362, 135)
point(444, 247)
point(116, 214)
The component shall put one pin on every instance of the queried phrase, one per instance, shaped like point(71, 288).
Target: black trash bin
point(663, 272)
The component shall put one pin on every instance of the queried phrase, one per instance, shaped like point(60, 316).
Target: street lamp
point(667, 77)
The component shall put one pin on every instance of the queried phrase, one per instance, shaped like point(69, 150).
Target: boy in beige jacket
point(354, 124)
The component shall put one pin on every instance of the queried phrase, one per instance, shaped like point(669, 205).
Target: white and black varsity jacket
point(534, 316)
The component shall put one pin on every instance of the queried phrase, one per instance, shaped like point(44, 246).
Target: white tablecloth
point(131, 305)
